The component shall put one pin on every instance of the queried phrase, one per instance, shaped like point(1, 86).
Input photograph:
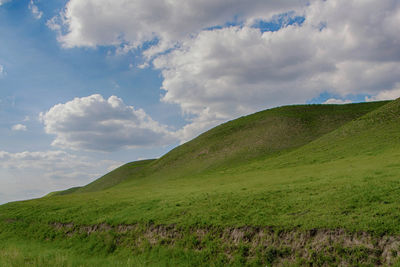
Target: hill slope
point(263, 134)
point(114, 177)
point(332, 199)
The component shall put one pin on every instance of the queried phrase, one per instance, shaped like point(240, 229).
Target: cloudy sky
point(87, 85)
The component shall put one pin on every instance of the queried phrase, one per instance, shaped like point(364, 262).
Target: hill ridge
point(263, 134)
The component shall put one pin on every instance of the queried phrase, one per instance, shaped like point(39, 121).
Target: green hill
point(115, 177)
point(264, 134)
point(297, 185)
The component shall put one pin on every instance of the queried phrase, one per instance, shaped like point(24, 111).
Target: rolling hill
point(295, 185)
point(264, 134)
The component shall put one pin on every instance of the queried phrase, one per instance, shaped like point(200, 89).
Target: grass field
point(295, 185)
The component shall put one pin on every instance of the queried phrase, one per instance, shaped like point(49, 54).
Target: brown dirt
point(382, 250)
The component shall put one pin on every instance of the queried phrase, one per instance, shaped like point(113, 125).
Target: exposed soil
point(320, 247)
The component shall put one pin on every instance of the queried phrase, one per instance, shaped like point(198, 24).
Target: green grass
point(39, 254)
point(115, 177)
point(290, 170)
point(264, 134)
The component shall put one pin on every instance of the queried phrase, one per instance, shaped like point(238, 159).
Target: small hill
point(114, 177)
point(371, 134)
point(261, 135)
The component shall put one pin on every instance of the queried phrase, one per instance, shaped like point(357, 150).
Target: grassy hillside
point(264, 134)
point(115, 177)
point(328, 195)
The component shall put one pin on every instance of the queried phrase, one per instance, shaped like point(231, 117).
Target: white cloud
point(18, 127)
point(52, 162)
point(111, 22)
point(222, 74)
point(33, 174)
point(54, 24)
point(343, 47)
point(337, 101)
point(35, 10)
point(225, 73)
point(4, 1)
point(95, 123)
point(1, 70)
point(385, 95)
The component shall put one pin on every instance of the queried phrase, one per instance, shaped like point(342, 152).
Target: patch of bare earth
point(317, 245)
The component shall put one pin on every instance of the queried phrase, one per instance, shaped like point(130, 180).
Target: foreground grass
point(359, 193)
point(356, 194)
point(39, 254)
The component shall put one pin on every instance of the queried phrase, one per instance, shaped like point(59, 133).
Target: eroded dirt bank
point(321, 247)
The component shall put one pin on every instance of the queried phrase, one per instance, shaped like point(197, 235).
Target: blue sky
point(40, 74)
point(87, 85)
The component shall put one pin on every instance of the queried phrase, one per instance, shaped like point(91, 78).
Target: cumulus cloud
point(35, 10)
point(343, 47)
point(95, 123)
point(54, 24)
point(18, 127)
point(43, 171)
point(385, 95)
point(3, 2)
point(217, 73)
point(1, 70)
point(233, 71)
point(337, 101)
point(54, 163)
point(105, 22)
